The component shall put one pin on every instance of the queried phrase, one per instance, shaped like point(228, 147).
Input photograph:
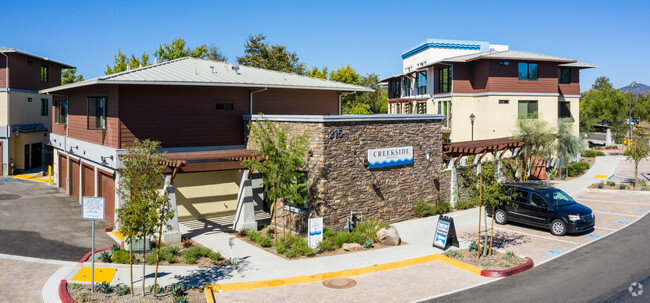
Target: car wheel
point(558, 227)
point(500, 216)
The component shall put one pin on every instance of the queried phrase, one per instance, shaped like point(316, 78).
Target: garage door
point(74, 178)
point(106, 189)
point(88, 178)
point(63, 171)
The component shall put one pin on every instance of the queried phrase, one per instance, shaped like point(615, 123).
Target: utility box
point(139, 244)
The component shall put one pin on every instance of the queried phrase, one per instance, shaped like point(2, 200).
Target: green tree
point(215, 54)
point(637, 150)
point(317, 73)
point(567, 145)
point(258, 53)
point(144, 209)
point(538, 138)
point(177, 49)
point(345, 74)
point(69, 75)
point(363, 102)
point(280, 157)
point(604, 103)
point(123, 63)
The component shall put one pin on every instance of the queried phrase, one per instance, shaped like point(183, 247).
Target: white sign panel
point(393, 156)
point(92, 208)
point(315, 227)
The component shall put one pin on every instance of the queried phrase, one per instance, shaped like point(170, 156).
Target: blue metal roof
point(447, 44)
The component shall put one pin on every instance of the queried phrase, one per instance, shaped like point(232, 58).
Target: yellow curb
point(118, 234)
point(101, 275)
point(209, 297)
point(601, 176)
point(39, 179)
point(24, 176)
point(340, 274)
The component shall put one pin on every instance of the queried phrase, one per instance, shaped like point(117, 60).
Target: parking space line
point(606, 201)
point(533, 235)
point(605, 228)
point(616, 214)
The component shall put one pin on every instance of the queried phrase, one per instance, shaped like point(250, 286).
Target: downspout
point(250, 105)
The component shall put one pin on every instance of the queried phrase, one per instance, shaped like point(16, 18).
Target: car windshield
point(558, 198)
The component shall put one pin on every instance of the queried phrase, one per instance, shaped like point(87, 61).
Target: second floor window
point(564, 110)
point(444, 80)
point(563, 75)
point(407, 86)
point(394, 89)
point(45, 71)
point(96, 112)
point(528, 109)
point(61, 112)
point(422, 83)
point(527, 71)
point(44, 107)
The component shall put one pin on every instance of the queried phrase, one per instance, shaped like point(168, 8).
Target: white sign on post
point(92, 208)
point(315, 227)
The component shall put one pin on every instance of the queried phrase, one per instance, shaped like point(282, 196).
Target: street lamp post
point(633, 85)
point(471, 118)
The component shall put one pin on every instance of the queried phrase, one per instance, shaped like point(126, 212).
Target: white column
point(173, 234)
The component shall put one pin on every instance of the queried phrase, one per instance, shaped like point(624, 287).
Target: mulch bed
point(201, 261)
point(496, 261)
point(84, 295)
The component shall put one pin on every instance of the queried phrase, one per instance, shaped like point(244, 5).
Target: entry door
point(27, 158)
point(37, 155)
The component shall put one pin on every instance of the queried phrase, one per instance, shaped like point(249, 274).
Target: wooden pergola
point(482, 147)
point(203, 161)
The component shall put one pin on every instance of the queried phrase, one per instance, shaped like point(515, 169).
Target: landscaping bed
point(185, 253)
point(496, 261)
point(122, 293)
point(296, 247)
point(612, 185)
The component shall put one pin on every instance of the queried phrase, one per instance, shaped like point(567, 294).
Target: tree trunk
point(492, 231)
point(131, 262)
point(144, 262)
point(289, 222)
point(480, 208)
point(636, 174)
point(162, 217)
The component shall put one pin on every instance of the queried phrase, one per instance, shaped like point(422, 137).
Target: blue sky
point(368, 35)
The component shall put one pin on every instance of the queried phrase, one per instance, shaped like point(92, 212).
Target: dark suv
point(545, 207)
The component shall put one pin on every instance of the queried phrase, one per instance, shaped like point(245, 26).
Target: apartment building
point(482, 88)
point(25, 114)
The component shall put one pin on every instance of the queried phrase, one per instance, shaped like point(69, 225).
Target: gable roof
point(507, 55)
point(4, 50)
point(200, 72)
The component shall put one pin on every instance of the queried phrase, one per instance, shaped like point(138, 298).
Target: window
point(44, 107)
point(394, 89)
point(421, 107)
point(528, 109)
point(444, 80)
point(444, 108)
point(44, 73)
point(300, 186)
point(96, 112)
point(564, 109)
point(422, 83)
point(61, 112)
point(504, 101)
point(504, 63)
point(521, 196)
point(528, 71)
point(537, 200)
point(225, 106)
point(407, 86)
point(564, 75)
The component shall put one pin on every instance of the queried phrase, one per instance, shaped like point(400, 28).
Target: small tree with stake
point(280, 157)
point(144, 210)
point(638, 150)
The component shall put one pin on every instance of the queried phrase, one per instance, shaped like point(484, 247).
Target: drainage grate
point(339, 283)
point(8, 197)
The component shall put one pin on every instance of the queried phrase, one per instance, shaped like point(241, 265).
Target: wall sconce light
point(104, 158)
point(428, 156)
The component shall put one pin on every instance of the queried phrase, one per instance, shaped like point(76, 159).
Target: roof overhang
point(10, 50)
point(578, 65)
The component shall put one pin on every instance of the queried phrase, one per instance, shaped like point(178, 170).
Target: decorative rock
point(388, 236)
point(352, 247)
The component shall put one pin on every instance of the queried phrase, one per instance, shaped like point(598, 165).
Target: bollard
point(49, 174)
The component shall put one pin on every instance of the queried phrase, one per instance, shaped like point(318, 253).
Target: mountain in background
point(640, 89)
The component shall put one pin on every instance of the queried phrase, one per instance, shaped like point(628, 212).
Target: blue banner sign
point(394, 156)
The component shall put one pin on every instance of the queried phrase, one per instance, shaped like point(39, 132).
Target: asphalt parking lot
point(40, 221)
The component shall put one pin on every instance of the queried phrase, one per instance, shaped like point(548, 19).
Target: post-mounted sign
point(445, 235)
point(92, 208)
point(393, 156)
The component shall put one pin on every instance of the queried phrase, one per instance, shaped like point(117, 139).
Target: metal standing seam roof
point(12, 50)
point(507, 54)
point(201, 72)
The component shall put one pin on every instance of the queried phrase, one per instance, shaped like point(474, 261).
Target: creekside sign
point(393, 156)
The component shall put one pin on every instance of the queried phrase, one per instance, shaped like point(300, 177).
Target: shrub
point(165, 254)
point(577, 168)
point(424, 209)
point(258, 238)
point(600, 185)
point(280, 247)
point(105, 257)
point(466, 203)
point(442, 207)
point(159, 290)
point(214, 256)
point(367, 244)
point(189, 259)
point(453, 254)
point(328, 233)
point(104, 287)
point(264, 241)
point(301, 247)
point(642, 183)
point(115, 247)
point(368, 229)
point(622, 186)
point(473, 246)
point(592, 153)
point(291, 253)
point(121, 257)
point(122, 290)
point(181, 299)
point(611, 183)
point(340, 238)
point(326, 245)
point(75, 286)
point(177, 290)
point(645, 189)
point(187, 243)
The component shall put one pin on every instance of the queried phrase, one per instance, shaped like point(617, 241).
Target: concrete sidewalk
point(253, 264)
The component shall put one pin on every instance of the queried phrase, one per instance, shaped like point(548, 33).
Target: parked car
point(545, 207)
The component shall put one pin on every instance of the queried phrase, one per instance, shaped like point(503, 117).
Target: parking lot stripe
point(615, 214)
point(614, 202)
point(533, 235)
point(605, 228)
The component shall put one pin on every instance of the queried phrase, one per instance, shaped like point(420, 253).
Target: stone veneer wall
point(339, 182)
